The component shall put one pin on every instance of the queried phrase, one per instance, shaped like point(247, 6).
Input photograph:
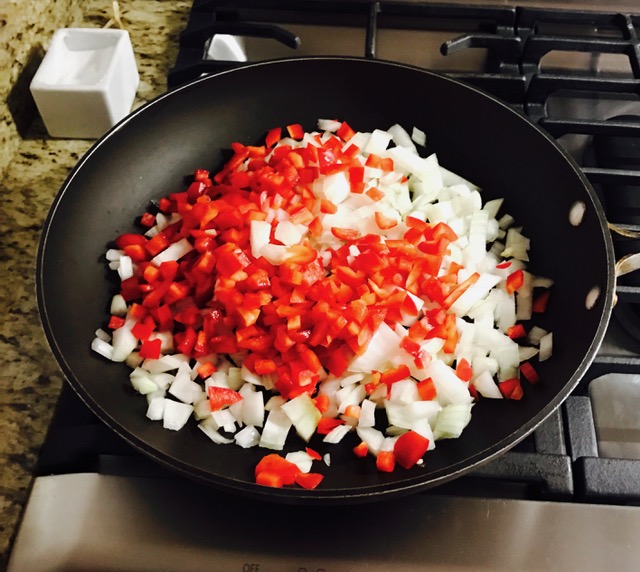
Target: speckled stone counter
point(30, 380)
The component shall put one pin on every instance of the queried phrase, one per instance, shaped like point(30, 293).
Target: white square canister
point(86, 82)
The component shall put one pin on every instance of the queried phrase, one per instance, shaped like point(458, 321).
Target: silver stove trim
point(106, 523)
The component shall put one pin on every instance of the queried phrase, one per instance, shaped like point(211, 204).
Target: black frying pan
point(148, 156)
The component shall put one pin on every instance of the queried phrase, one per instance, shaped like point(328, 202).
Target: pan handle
point(630, 262)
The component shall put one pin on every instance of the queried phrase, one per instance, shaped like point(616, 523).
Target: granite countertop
point(30, 381)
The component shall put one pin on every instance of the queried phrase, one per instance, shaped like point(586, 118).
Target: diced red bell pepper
point(273, 136)
point(308, 480)
point(540, 302)
point(295, 131)
point(385, 222)
point(220, 397)
point(150, 349)
point(409, 448)
point(328, 424)
point(274, 464)
point(345, 132)
point(515, 280)
point(361, 450)
point(529, 372)
point(386, 461)
point(116, 322)
point(516, 332)
point(427, 389)
point(463, 370)
point(511, 388)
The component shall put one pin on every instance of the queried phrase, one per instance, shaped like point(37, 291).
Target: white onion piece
point(202, 410)
point(123, 342)
point(247, 437)
point(259, 235)
point(474, 293)
point(301, 459)
point(303, 414)
point(449, 179)
point(176, 414)
point(536, 334)
point(155, 410)
point(118, 306)
point(372, 437)
point(252, 412)
point(113, 254)
point(102, 347)
point(419, 136)
point(224, 419)
point(125, 268)
point(546, 346)
point(383, 344)
point(163, 363)
point(289, 233)
point(183, 388)
point(378, 142)
point(449, 387)
point(101, 334)
point(486, 385)
point(174, 251)
point(367, 414)
point(452, 420)
point(401, 138)
point(210, 429)
point(336, 434)
point(334, 187)
point(141, 382)
point(276, 429)
point(329, 125)
point(527, 352)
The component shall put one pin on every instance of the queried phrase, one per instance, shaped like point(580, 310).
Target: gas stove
point(564, 498)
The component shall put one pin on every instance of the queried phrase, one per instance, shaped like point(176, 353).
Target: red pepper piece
point(361, 450)
point(273, 136)
point(313, 454)
point(295, 131)
point(511, 388)
point(427, 389)
point(327, 424)
point(220, 397)
point(308, 480)
point(129, 239)
point(409, 448)
point(206, 369)
point(275, 464)
point(345, 132)
point(516, 332)
point(148, 220)
point(514, 281)
point(529, 372)
point(386, 461)
point(385, 222)
point(150, 349)
point(540, 302)
point(116, 322)
point(391, 376)
point(463, 370)
point(142, 330)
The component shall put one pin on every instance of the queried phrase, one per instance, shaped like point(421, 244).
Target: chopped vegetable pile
point(315, 280)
